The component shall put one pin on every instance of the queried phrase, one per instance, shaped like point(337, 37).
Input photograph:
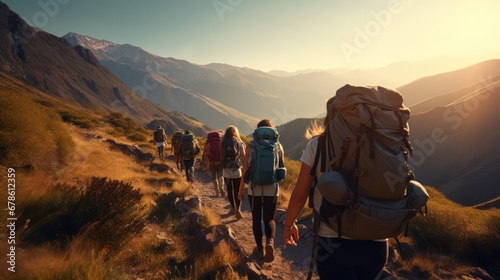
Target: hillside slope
point(163, 81)
point(217, 94)
point(456, 146)
point(69, 73)
point(432, 86)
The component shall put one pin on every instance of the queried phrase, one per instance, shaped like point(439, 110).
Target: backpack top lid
point(213, 139)
point(187, 137)
point(379, 96)
point(217, 134)
point(265, 134)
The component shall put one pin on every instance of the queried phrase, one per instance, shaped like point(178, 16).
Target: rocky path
point(289, 263)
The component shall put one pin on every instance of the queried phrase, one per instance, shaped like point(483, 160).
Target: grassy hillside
point(78, 202)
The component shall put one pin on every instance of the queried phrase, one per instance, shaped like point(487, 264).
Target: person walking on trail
point(212, 153)
point(341, 257)
point(263, 168)
point(161, 140)
point(176, 148)
point(189, 150)
point(232, 153)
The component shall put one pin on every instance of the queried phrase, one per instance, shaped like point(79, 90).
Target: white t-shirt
point(264, 190)
point(160, 144)
point(308, 158)
point(232, 173)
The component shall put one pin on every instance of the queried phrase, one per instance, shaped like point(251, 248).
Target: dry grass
point(428, 264)
point(77, 262)
point(222, 258)
point(470, 234)
point(211, 218)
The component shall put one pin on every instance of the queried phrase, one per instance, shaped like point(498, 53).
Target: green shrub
point(107, 213)
point(123, 126)
point(137, 137)
point(29, 133)
point(79, 119)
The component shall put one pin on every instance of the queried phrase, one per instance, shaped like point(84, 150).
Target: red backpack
point(213, 139)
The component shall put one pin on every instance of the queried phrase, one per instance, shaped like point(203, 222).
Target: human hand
point(290, 235)
point(241, 194)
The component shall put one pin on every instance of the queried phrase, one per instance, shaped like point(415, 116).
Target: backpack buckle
point(361, 130)
point(358, 172)
point(345, 144)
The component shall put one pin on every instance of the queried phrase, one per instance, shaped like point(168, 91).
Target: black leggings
point(233, 186)
point(189, 166)
point(263, 207)
point(350, 259)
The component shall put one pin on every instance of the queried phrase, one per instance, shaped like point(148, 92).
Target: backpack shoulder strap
point(320, 151)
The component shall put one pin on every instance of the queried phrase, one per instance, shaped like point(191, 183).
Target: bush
point(470, 234)
point(78, 119)
point(30, 134)
point(123, 126)
point(107, 213)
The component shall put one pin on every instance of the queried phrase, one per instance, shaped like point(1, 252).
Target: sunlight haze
point(281, 35)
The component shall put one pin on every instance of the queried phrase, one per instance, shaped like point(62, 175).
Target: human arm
point(297, 201)
point(245, 156)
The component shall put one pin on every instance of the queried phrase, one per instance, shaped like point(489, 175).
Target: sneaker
point(269, 257)
point(259, 253)
point(238, 214)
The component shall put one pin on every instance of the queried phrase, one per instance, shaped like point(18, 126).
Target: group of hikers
point(354, 173)
point(184, 147)
point(233, 164)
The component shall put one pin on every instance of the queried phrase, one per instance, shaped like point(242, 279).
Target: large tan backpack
point(368, 189)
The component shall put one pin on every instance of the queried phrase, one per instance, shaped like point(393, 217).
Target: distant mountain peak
point(87, 41)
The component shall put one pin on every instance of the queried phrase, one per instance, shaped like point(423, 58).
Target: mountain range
point(73, 74)
point(455, 137)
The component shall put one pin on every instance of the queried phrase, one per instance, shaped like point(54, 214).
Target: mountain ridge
point(54, 66)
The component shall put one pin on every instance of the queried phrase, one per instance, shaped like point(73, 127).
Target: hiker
point(176, 148)
point(161, 140)
point(356, 167)
point(232, 153)
point(263, 184)
point(212, 154)
point(189, 150)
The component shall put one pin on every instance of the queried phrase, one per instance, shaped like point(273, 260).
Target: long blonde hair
point(232, 132)
point(316, 128)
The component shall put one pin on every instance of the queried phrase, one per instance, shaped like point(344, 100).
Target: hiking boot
point(269, 257)
point(238, 215)
point(258, 252)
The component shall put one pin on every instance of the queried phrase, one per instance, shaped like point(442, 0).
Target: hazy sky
point(277, 34)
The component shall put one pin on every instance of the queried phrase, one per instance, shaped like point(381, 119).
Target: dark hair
point(265, 122)
point(187, 131)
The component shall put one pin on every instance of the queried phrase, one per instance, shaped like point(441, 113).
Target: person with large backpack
point(160, 139)
point(263, 168)
point(232, 153)
point(363, 189)
point(189, 150)
point(176, 147)
point(212, 152)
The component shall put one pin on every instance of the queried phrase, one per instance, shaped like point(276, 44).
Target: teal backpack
point(265, 165)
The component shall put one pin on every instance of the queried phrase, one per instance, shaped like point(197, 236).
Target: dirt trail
point(289, 263)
